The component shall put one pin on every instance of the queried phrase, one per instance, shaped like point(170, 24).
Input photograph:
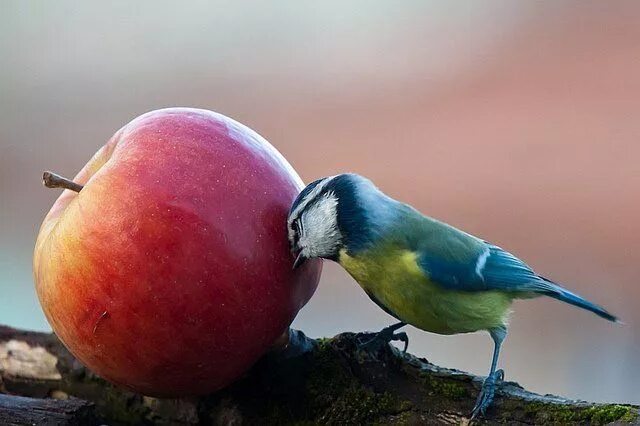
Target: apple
point(169, 272)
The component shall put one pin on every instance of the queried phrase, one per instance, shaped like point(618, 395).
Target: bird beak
point(299, 261)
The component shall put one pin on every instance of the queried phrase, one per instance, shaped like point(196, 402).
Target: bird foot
point(298, 344)
point(382, 338)
point(485, 397)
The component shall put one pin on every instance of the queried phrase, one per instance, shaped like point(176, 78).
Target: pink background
point(516, 121)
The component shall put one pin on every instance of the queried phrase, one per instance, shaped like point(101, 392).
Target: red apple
point(169, 273)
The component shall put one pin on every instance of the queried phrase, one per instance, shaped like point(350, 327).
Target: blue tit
point(419, 270)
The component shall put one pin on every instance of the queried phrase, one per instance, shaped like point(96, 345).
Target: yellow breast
point(396, 280)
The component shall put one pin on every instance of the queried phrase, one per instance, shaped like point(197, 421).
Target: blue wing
point(487, 268)
point(496, 269)
point(504, 271)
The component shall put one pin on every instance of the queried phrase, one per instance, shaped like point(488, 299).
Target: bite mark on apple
point(102, 317)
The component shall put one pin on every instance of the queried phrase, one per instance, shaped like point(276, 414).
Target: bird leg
point(485, 397)
point(384, 337)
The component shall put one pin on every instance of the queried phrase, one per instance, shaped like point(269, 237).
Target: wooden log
point(331, 383)
point(20, 410)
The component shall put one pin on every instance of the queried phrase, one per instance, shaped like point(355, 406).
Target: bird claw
point(402, 337)
point(485, 397)
point(383, 338)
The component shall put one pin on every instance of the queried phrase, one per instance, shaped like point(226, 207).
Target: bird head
point(312, 223)
point(346, 211)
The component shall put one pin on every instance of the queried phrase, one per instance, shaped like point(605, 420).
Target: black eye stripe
point(296, 227)
point(296, 231)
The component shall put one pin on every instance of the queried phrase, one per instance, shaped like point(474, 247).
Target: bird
point(418, 269)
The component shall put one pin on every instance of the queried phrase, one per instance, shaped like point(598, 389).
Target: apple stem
point(52, 180)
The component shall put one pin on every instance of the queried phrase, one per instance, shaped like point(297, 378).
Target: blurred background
point(516, 121)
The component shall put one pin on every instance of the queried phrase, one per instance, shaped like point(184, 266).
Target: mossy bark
point(331, 383)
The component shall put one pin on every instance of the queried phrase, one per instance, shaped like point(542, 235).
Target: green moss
point(323, 342)
point(358, 405)
point(118, 406)
point(603, 414)
point(112, 403)
point(405, 406)
point(631, 416)
point(329, 393)
point(447, 388)
point(597, 414)
point(336, 397)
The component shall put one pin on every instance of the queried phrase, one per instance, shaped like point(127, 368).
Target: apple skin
point(170, 273)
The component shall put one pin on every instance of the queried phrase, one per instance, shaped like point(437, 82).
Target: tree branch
point(333, 383)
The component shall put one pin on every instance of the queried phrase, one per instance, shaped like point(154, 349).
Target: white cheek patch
point(320, 236)
point(307, 199)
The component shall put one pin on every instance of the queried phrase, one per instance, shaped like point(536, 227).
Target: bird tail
point(552, 289)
